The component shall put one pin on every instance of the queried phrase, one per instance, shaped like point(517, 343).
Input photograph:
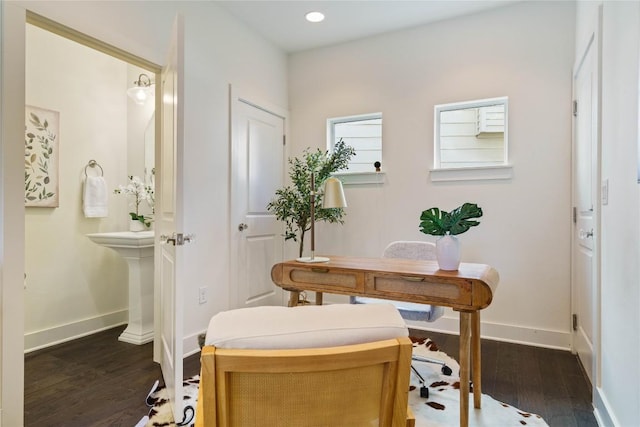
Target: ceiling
point(283, 23)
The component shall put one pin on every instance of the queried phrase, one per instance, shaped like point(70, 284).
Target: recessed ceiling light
point(314, 17)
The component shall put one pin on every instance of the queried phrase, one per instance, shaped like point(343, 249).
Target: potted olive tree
point(437, 222)
point(292, 203)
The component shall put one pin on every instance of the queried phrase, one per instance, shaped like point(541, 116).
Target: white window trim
point(360, 178)
point(501, 171)
point(472, 173)
point(353, 178)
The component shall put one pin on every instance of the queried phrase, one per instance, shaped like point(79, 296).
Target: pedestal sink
point(137, 249)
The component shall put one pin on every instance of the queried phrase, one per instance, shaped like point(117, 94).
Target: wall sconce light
point(142, 89)
point(333, 198)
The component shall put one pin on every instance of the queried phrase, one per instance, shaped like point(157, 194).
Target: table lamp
point(333, 198)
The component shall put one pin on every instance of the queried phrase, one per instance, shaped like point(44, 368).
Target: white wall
point(617, 389)
point(525, 52)
point(218, 51)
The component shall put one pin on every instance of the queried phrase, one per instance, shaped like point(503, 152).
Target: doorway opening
point(74, 287)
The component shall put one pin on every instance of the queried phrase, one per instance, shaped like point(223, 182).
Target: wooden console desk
point(467, 290)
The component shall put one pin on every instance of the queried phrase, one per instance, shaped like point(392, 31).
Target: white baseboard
point(190, 343)
point(450, 324)
point(71, 331)
point(602, 411)
point(500, 332)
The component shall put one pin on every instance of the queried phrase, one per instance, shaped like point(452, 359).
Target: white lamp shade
point(140, 94)
point(333, 194)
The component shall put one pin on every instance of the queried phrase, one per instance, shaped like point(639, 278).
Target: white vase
point(448, 252)
point(135, 225)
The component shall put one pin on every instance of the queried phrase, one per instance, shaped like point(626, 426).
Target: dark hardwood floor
point(550, 383)
point(93, 381)
point(100, 381)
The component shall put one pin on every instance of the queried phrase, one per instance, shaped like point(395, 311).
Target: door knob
point(242, 226)
point(164, 239)
point(177, 239)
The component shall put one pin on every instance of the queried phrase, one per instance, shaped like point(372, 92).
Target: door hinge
point(284, 139)
point(574, 322)
point(575, 108)
point(575, 215)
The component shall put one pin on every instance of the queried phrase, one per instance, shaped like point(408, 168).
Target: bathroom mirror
point(149, 150)
point(471, 134)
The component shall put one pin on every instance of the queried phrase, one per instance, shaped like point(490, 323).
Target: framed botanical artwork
point(42, 149)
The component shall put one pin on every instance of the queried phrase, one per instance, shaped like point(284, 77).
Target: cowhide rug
point(440, 409)
point(160, 414)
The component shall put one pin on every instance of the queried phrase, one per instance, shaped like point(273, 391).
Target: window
point(471, 136)
point(364, 134)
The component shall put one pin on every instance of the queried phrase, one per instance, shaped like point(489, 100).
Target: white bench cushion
point(308, 326)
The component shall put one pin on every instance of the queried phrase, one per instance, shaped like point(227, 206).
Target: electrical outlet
point(605, 192)
point(202, 295)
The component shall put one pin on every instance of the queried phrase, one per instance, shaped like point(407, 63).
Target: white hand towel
point(95, 198)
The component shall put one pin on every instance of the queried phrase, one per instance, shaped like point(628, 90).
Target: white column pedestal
point(137, 249)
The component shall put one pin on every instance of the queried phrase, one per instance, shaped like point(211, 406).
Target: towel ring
point(93, 164)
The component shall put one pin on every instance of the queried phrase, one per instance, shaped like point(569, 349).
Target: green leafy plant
point(292, 203)
point(140, 192)
point(436, 222)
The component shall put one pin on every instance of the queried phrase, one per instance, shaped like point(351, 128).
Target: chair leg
point(424, 390)
point(411, 419)
point(446, 370)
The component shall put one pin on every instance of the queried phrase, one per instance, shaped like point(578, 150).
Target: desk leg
point(475, 356)
point(465, 335)
point(293, 298)
point(318, 298)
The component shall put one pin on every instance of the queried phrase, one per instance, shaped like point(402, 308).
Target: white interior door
point(168, 263)
point(257, 170)
point(585, 298)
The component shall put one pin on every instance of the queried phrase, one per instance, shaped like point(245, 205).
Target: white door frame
point(12, 241)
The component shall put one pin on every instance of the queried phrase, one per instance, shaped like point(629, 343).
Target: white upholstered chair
point(331, 365)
